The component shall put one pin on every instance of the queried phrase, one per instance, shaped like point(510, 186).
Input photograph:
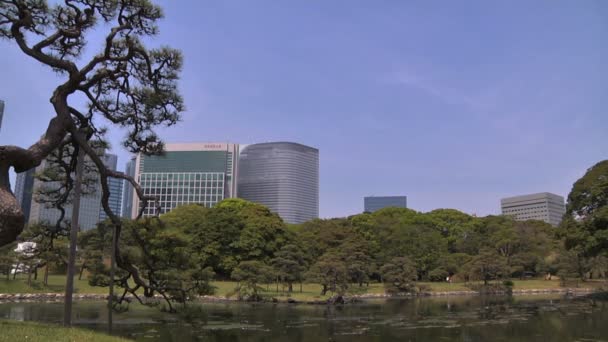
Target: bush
point(438, 274)
point(399, 275)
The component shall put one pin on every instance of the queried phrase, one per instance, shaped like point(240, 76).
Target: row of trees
point(181, 251)
point(246, 242)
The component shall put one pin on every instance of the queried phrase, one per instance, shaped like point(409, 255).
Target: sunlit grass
point(36, 332)
point(56, 284)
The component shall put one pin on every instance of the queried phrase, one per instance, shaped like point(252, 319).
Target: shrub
point(438, 274)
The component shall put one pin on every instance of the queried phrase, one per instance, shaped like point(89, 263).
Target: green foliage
point(160, 253)
point(570, 265)
point(250, 274)
point(246, 242)
point(94, 248)
point(488, 265)
point(289, 264)
point(331, 272)
point(585, 225)
point(233, 231)
point(399, 275)
point(7, 259)
point(438, 274)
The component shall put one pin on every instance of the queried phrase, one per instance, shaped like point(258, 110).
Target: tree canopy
point(585, 225)
point(125, 84)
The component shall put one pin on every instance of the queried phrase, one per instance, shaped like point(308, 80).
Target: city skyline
point(474, 102)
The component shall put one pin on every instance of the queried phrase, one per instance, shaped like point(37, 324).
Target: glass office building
point(24, 187)
point(203, 173)
point(128, 190)
point(115, 187)
point(373, 203)
point(91, 211)
point(283, 176)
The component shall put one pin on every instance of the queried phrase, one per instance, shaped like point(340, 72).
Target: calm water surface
point(423, 319)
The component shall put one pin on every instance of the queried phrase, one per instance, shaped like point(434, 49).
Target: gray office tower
point(115, 187)
point(128, 190)
point(373, 203)
point(283, 176)
point(24, 187)
point(90, 204)
point(543, 206)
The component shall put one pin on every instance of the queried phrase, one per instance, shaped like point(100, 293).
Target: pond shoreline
point(58, 297)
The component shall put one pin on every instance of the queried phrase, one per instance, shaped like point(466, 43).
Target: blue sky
point(452, 103)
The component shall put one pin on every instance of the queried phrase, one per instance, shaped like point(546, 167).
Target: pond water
point(532, 318)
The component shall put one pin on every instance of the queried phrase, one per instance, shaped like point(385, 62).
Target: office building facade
point(186, 173)
point(128, 190)
point(542, 206)
point(115, 187)
point(24, 187)
point(283, 176)
point(373, 203)
point(90, 201)
point(90, 204)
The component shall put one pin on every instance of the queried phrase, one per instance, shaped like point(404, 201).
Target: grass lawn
point(309, 291)
point(30, 331)
point(56, 284)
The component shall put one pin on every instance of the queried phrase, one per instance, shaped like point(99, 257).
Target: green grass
point(310, 292)
point(30, 331)
point(56, 284)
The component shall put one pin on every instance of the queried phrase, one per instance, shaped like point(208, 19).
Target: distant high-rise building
point(203, 173)
point(1, 112)
point(127, 190)
point(543, 206)
point(373, 203)
point(91, 211)
point(283, 176)
point(115, 187)
point(90, 202)
point(24, 186)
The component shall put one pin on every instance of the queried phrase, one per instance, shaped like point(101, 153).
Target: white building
point(543, 206)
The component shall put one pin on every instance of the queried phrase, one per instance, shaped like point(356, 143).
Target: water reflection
point(420, 319)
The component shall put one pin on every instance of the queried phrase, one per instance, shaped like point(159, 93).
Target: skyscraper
point(90, 201)
point(115, 187)
point(44, 213)
point(373, 203)
point(543, 206)
point(203, 173)
point(127, 190)
point(24, 187)
point(283, 176)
